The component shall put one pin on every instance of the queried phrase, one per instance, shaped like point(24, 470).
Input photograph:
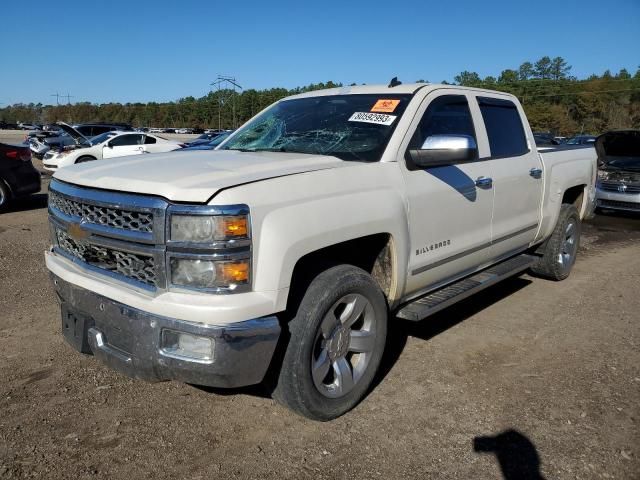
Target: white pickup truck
point(297, 244)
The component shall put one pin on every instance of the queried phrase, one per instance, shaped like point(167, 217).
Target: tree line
point(553, 99)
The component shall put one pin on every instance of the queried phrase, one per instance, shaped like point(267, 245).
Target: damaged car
point(106, 145)
point(618, 185)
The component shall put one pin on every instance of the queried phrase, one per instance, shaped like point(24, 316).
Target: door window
point(504, 127)
point(446, 115)
point(126, 140)
point(149, 140)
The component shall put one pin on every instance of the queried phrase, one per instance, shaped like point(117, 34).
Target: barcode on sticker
point(377, 118)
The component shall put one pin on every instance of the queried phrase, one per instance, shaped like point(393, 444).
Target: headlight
point(208, 228)
point(208, 274)
point(602, 175)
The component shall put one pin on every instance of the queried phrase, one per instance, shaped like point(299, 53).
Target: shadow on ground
point(398, 333)
point(516, 454)
point(427, 329)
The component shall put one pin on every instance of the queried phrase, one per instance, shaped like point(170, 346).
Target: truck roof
point(381, 89)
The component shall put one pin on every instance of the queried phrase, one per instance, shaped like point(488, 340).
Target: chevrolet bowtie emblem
point(622, 188)
point(76, 232)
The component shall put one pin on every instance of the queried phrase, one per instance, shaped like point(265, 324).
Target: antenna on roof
point(394, 82)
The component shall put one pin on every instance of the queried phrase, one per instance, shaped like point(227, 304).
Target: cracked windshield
point(350, 127)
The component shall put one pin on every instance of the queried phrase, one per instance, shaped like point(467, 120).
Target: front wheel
point(337, 339)
point(84, 159)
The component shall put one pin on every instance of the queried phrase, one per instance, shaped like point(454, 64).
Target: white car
point(106, 145)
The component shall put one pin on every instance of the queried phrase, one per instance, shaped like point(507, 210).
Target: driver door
point(123, 145)
point(450, 207)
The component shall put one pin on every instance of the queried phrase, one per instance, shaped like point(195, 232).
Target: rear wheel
point(5, 195)
point(560, 250)
point(337, 338)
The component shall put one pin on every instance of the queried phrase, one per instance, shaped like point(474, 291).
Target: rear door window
point(504, 127)
point(126, 140)
point(149, 140)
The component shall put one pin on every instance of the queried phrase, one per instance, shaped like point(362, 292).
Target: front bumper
point(617, 201)
point(129, 341)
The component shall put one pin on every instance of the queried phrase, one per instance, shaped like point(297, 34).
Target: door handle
point(535, 173)
point(484, 182)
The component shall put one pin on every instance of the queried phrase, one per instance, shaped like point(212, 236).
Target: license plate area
point(75, 327)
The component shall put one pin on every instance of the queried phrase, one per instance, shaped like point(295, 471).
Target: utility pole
point(57, 95)
point(67, 96)
point(227, 81)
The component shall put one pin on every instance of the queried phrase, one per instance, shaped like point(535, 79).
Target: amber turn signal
point(233, 272)
point(233, 226)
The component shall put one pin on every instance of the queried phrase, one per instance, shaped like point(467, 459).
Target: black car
point(18, 176)
point(8, 126)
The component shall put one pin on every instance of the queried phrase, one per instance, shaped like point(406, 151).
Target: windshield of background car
point(219, 139)
point(101, 138)
point(350, 127)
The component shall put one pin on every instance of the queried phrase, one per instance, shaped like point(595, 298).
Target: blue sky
point(163, 50)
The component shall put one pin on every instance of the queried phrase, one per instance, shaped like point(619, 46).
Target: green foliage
point(553, 100)
point(557, 102)
point(217, 109)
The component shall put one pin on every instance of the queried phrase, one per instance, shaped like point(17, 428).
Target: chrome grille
point(99, 215)
point(135, 266)
point(619, 187)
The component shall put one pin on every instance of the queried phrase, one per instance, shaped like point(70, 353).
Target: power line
point(226, 80)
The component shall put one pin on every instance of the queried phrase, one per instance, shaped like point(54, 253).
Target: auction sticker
point(377, 118)
point(385, 106)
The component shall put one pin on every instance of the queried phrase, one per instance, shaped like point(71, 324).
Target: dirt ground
point(530, 379)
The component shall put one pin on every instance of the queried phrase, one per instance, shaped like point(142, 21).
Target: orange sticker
point(386, 106)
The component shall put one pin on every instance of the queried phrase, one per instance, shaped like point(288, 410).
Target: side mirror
point(443, 150)
point(109, 144)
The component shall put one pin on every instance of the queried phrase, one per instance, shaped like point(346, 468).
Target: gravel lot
point(530, 378)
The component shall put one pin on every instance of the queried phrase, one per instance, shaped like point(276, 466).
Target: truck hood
point(193, 176)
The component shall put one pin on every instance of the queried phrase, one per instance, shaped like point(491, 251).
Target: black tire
point(5, 195)
point(311, 337)
point(560, 250)
point(85, 158)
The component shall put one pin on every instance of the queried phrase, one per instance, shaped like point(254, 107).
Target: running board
point(433, 302)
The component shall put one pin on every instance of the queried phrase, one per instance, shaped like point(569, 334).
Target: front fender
point(296, 215)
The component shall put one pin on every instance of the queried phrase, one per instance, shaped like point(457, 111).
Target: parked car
point(18, 176)
point(184, 131)
point(27, 126)
point(58, 142)
point(8, 126)
point(581, 140)
point(618, 186)
point(544, 138)
point(312, 228)
point(107, 145)
point(204, 139)
point(210, 145)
